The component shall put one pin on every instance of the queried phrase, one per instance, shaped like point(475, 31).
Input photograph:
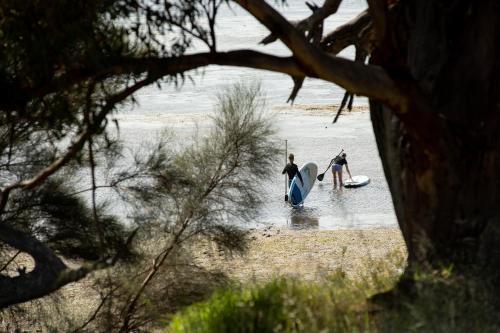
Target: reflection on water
point(303, 218)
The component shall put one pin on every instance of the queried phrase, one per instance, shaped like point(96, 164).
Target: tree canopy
point(66, 67)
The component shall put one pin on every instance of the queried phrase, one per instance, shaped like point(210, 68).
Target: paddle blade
point(320, 177)
point(286, 197)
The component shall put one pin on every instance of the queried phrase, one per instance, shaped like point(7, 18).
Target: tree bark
point(441, 156)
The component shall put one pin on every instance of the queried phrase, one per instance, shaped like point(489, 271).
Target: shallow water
point(310, 135)
point(315, 139)
point(238, 30)
point(312, 138)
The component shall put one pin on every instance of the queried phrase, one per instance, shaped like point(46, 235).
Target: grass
point(442, 301)
point(439, 301)
point(336, 304)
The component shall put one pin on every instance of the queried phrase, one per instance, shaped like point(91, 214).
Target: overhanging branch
point(50, 272)
point(318, 15)
point(240, 58)
point(347, 34)
point(77, 144)
point(35, 283)
point(367, 80)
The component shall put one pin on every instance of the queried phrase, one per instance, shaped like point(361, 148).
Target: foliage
point(66, 67)
point(440, 302)
point(209, 181)
point(279, 306)
point(443, 301)
point(334, 303)
point(176, 198)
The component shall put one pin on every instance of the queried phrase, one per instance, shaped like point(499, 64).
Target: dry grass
point(307, 254)
point(300, 281)
point(273, 252)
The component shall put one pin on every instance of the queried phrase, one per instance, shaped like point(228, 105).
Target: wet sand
point(310, 254)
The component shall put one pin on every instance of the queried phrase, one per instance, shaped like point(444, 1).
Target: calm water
point(310, 137)
point(238, 30)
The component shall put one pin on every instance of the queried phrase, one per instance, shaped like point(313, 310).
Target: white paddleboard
point(357, 181)
point(297, 192)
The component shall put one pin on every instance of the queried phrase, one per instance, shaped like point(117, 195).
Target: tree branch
point(10, 261)
point(359, 57)
point(50, 272)
point(347, 34)
point(240, 58)
point(77, 145)
point(36, 283)
point(367, 80)
point(329, 8)
point(380, 14)
point(318, 15)
point(115, 66)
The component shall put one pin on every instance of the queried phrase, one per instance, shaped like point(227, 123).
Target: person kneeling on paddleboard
point(338, 163)
point(292, 170)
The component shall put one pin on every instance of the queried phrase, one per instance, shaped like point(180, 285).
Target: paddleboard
point(357, 181)
point(297, 192)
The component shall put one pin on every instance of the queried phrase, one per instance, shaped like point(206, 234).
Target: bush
point(443, 302)
point(438, 301)
point(282, 305)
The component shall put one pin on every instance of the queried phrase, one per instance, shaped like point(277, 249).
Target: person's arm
point(349, 172)
point(331, 163)
point(284, 170)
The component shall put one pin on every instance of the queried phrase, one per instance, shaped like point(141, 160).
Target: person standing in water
point(292, 170)
point(338, 163)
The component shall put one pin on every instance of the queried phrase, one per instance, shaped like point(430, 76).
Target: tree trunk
point(441, 151)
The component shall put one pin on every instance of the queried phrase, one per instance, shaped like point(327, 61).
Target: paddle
point(321, 176)
point(286, 182)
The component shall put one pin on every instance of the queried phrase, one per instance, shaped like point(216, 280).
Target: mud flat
point(311, 254)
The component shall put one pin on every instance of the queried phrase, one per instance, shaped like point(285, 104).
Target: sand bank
point(318, 109)
point(310, 254)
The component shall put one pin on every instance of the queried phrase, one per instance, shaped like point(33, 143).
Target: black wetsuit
point(341, 161)
point(292, 170)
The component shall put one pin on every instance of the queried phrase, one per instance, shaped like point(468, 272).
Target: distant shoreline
point(304, 109)
point(310, 254)
point(318, 109)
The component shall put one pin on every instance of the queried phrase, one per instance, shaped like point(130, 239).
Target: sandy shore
point(319, 109)
point(310, 254)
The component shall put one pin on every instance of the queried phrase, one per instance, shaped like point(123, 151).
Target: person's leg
point(341, 183)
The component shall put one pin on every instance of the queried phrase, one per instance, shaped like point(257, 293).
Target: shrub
point(282, 305)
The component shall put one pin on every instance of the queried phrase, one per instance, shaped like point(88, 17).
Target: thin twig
point(10, 260)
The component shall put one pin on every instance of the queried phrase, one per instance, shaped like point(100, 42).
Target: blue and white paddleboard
point(298, 193)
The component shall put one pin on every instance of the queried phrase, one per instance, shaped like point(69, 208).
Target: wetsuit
point(292, 169)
